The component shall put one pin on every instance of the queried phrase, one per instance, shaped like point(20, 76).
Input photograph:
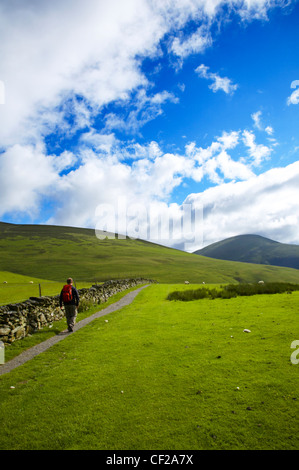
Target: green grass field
point(17, 287)
point(163, 375)
point(56, 253)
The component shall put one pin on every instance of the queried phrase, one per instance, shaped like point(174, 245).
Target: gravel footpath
point(39, 348)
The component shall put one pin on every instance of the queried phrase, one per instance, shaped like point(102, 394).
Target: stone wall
point(22, 319)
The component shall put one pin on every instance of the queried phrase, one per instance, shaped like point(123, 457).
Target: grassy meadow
point(17, 288)
point(163, 375)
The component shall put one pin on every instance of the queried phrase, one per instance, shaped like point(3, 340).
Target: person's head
point(69, 280)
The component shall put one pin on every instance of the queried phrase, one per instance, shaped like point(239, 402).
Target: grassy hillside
point(253, 249)
point(55, 253)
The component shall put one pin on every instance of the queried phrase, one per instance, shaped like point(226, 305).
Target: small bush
point(85, 305)
point(233, 290)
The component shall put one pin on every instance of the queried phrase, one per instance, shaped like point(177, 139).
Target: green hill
point(253, 249)
point(56, 252)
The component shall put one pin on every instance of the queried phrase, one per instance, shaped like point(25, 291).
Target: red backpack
point(67, 294)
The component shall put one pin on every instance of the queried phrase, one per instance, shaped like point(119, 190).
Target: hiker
point(69, 297)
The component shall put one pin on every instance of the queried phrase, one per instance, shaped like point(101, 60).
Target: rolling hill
point(56, 252)
point(253, 249)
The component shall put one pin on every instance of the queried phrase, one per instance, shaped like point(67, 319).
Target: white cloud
point(197, 43)
point(218, 165)
point(267, 204)
point(138, 151)
point(26, 174)
point(228, 140)
point(58, 50)
point(143, 109)
point(269, 130)
point(223, 167)
point(55, 50)
point(231, 169)
point(218, 83)
point(257, 119)
point(102, 143)
point(258, 152)
point(256, 9)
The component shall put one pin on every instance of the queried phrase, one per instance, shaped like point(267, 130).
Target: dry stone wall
point(22, 319)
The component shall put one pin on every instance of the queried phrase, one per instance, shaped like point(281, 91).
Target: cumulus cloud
point(215, 161)
point(26, 174)
point(266, 204)
point(269, 130)
point(138, 111)
point(257, 119)
point(218, 83)
point(58, 51)
point(228, 140)
point(142, 173)
point(197, 42)
point(258, 152)
point(53, 51)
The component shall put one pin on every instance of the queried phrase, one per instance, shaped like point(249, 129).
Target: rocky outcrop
point(19, 320)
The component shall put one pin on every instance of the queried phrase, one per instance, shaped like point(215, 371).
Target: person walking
point(69, 297)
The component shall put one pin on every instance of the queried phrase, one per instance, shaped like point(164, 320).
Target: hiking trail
point(41, 347)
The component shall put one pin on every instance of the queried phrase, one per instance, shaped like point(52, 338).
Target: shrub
point(85, 305)
point(233, 290)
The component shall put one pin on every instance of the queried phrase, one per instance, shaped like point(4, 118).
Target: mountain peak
point(251, 248)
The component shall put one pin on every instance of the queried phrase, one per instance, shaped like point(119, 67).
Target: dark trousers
point(70, 313)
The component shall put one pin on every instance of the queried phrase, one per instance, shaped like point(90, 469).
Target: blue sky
point(117, 116)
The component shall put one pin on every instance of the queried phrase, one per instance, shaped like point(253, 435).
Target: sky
point(174, 121)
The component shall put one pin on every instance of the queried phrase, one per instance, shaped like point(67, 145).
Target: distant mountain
point(253, 249)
